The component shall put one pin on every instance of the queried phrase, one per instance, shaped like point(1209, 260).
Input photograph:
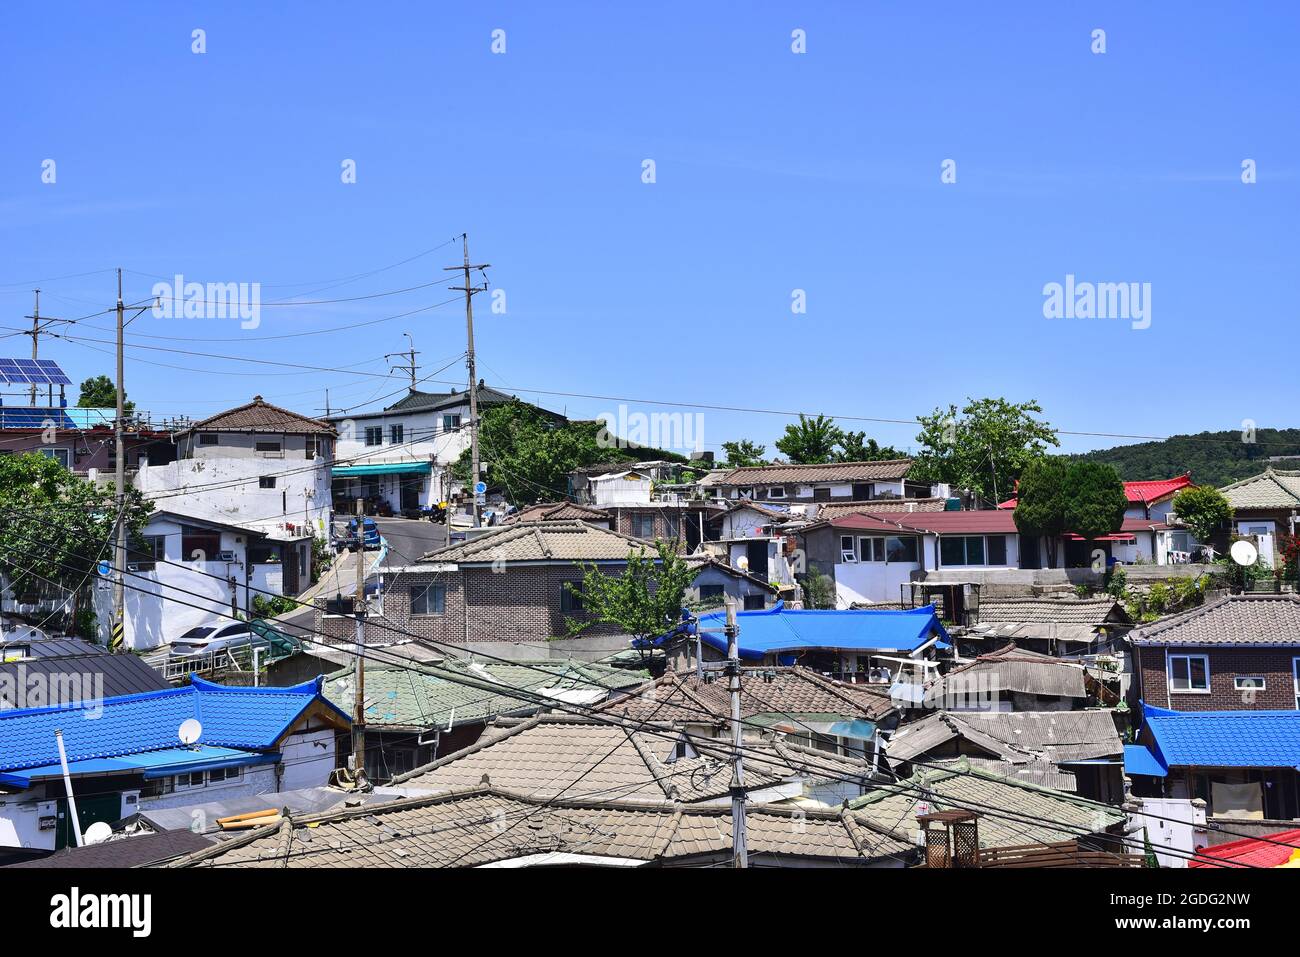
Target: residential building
point(1242, 764)
point(1012, 679)
point(398, 459)
point(811, 485)
point(423, 712)
point(1235, 653)
point(1264, 508)
point(1042, 747)
point(1055, 625)
point(83, 440)
point(561, 512)
point(258, 465)
point(462, 828)
point(126, 753)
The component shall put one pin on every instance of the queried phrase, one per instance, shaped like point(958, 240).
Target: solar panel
point(39, 371)
point(18, 417)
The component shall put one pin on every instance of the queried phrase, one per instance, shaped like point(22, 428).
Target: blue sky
point(774, 172)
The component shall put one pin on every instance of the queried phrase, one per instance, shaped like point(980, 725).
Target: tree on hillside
point(984, 447)
point(856, 447)
point(55, 527)
point(1040, 501)
point(810, 441)
point(645, 601)
point(743, 454)
point(1203, 509)
point(99, 392)
point(1094, 500)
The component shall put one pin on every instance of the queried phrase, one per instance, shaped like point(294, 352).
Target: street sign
point(480, 488)
point(105, 568)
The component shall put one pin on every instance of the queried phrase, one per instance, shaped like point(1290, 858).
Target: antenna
point(190, 731)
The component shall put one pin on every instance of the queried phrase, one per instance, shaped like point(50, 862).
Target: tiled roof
point(232, 717)
point(1240, 620)
point(685, 697)
point(1234, 739)
point(464, 828)
point(260, 416)
point(543, 542)
point(1016, 670)
point(1029, 814)
point(1073, 611)
point(879, 506)
point(1016, 736)
point(883, 470)
point(1269, 850)
point(458, 691)
point(142, 850)
point(558, 512)
point(632, 761)
point(116, 675)
point(1273, 488)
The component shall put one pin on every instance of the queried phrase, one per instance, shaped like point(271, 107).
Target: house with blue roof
point(1242, 764)
point(125, 754)
point(850, 645)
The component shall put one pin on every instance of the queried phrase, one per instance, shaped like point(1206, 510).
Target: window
point(144, 552)
point(997, 549)
point(972, 550)
point(776, 492)
point(450, 423)
point(571, 597)
point(266, 481)
point(62, 456)
point(901, 548)
point(192, 780)
point(1189, 673)
point(338, 606)
point(217, 775)
point(1295, 680)
point(374, 435)
point(643, 525)
point(672, 527)
point(209, 438)
point(199, 544)
point(756, 602)
point(847, 554)
point(1248, 683)
point(871, 549)
point(395, 434)
point(711, 594)
point(267, 446)
point(316, 446)
point(429, 599)
point(158, 787)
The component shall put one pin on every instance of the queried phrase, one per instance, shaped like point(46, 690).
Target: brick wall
point(520, 603)
point(662, 516)
point(1274, 664)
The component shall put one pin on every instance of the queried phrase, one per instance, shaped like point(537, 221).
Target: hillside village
point(319, 627)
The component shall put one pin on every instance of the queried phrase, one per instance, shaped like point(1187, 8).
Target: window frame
point(436, 590)
point(266, 481)
point(1187, 657)
point(377, 431)
point(395, 433)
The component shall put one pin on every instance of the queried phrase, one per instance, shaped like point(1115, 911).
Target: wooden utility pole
point(36, 334)
point(359, 697)
point(739, 843)
point(469, 289)
point(117, 641)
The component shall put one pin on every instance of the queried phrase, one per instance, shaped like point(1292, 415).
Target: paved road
point(410, 540)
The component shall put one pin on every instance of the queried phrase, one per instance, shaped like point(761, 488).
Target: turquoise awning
point(383, 468)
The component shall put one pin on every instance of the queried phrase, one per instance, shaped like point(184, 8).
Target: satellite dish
point(97, 833)
point(1244, 553)
point(742, 563)
point(190, 731)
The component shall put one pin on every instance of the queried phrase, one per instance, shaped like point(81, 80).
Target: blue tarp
point(1227, 739)
point(781, 632)
point(1138, 760)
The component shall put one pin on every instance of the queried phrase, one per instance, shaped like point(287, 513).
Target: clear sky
point(774, 171)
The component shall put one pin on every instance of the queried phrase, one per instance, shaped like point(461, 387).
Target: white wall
point(623, 490)
point(309, 757)
point(743, 524)
point(871, 581)
point(423, 437)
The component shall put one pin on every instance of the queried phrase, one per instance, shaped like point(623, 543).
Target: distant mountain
point(1213, 458)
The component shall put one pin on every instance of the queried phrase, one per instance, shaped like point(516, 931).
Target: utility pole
point(739, 844)
point(469, 289)
point(36, 334)
point(118, 639)
point(410, 367)
point(359, 697)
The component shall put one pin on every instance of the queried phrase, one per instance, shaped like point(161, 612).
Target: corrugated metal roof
point(883, 470)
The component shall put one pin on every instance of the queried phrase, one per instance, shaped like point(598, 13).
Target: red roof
point(1250, 852)
point(973, 521)
point(1148, 493)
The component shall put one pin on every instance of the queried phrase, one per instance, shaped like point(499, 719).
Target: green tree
point(856, 447)
point(99, 392)
point(1040, 501)
point(55, 527)
point(645, 601)
point(818, 590)
point(1094, 500)
point(811, 441)
point(984, 447)
point(743, 454)
point(1203, 509)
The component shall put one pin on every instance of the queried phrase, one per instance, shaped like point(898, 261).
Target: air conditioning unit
point(225, 556)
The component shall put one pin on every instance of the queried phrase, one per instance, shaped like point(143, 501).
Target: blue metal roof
point(152, 764)
point(1138, 760)
point(1233, 739)
point(232, 717)
point(779, 630)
